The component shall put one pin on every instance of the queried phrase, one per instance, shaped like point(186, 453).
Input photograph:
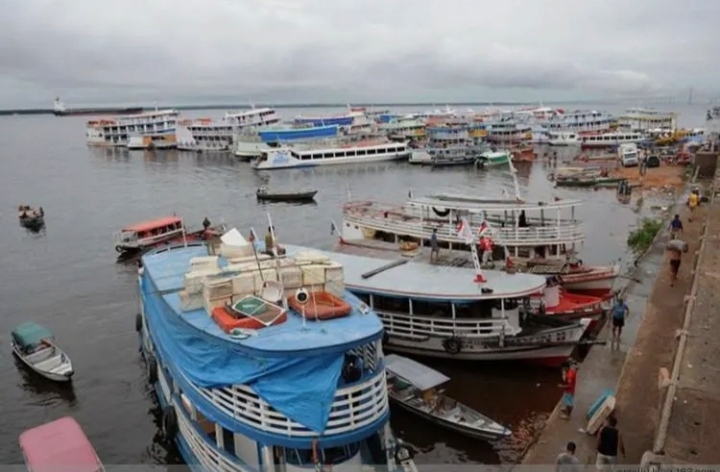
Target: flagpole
point(184, 233)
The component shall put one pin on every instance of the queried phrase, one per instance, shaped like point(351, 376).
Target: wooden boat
point(414, 387)
point(141, 237)
point(57, 446)
point(31, 218)
point(263, 193)
point(35, 346)
point(587, 181)
point(318, 306)
point(250, 313)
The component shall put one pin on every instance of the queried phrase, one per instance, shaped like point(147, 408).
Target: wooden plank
point(391, 265)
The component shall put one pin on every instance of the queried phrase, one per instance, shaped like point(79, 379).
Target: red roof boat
point(59, 446)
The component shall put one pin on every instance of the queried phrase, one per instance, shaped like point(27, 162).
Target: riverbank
point(631, 370)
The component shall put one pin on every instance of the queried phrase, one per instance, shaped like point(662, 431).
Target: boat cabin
point(57, 446)
point(31, 338)
point(149, 232)
point(408, 379)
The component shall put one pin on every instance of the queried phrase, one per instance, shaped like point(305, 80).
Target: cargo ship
point(59, 109)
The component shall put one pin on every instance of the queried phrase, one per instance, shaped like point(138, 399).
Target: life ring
point(169, 423)
point(138, 322)
point(403, 454)
point(152, 369)
point(444, 212)
point(452, 345)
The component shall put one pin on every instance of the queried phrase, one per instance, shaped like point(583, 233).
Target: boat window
point(394, 304)
point(364, 297)
point(432, 308)
point(511, 303)
point(478, 309)
point(332, 455)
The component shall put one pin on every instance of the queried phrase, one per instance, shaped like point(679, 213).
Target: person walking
point(693, 202)
point(569, 375)
point(567, 461)
point(676, 227)
point(609, 443)
point(620, 311)
point(676, 248)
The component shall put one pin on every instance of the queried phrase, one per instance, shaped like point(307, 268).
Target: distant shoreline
point(49, 111)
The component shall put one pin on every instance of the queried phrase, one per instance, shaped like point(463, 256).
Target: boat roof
point(167, 269)
point(420, 376)
point(464, 202)
point(59, 445)
point(152, 224)
point(28, 334)
point(428, 282)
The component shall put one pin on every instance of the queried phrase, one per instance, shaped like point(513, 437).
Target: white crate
point(218, 288)
point(244, 284)
point(232, 252)
point(210, 305)
point(334, 272)
point(291, 277)
point(190, 302)
point(313, 275)
point(311, 257)
point(336, 287)
point(204, 263)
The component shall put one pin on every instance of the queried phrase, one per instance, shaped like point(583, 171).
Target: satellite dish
point(302, 296)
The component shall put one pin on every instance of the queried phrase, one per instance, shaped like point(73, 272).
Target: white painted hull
point(420, 157)
point(291, 162)
point(593, 285)
point(62, 372)
point(564, 142)
point(248, 150)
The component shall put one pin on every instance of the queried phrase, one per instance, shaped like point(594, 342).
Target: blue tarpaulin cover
point(300, 387)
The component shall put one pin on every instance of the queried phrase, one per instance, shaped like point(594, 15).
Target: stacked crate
point(191, 297)
point(217, 292)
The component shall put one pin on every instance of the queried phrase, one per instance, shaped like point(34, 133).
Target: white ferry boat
point(437, 311)
point(508, 131)
point(206, 134)
point(614, 138)
point(541, 237)
point(331, 153)
point(404, 128)
point(255, 371)
point(643, 119)
point(579, 121)
point(563, 138)
point(118, 131)
point(251, 143)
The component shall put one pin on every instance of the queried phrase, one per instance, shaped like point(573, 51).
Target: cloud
point(311, 50)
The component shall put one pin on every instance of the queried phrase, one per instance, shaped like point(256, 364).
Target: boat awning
point(29, 334)
point(420, 376)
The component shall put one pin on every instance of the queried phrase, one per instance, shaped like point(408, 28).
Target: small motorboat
point(35, 346)
point(414, 387)
point(263, 193)
point(31, 218)
point(59, 445)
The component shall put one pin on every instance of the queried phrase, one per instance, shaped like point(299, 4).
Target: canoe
point(587, 182)
point(413, 386)
point(35, 346)
point(318, 306)
point(302, 196)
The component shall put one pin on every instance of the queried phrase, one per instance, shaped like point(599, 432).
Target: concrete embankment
point(631, 370)
point(689, 420)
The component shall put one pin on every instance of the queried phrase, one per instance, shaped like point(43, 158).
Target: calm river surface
point(66, 278)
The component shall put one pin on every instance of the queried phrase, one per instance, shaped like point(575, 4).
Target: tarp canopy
point(300, 387)
point(30, 334)
point(57, 446)
point(420, 376)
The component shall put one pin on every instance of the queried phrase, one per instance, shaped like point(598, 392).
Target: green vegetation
point(642, 238)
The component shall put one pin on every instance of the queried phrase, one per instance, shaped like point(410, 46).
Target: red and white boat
point(141, 237)
point(58, 446)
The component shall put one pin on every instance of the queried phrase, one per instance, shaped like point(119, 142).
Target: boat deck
point(168, 271)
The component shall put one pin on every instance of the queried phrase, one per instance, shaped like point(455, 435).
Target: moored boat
point(609, 139)
point(300, 393)
point(35, 346)
point(415, 387)
point(494, 158)
point(150, 234)
point(263, 193)
point(31, 218)
point(58, 446)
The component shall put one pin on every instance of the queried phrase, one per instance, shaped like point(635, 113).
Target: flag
point(464, 231)
point(253, 236)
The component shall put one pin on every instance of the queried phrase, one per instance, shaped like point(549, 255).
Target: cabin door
point(279, 459)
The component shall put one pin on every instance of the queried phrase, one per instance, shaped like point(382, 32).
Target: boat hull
point(33, 223)
point(99, 111)
point(287, 197)
point(55, 377)
point(126, 251)
point(293, 163)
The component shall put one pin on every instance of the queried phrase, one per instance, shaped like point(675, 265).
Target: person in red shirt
point(569, 373)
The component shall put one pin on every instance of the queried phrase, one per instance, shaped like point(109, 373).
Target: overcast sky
point(199, 51)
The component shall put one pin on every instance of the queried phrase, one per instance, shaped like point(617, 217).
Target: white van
point(629, 155)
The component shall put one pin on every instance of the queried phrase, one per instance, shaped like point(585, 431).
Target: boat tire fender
point(169, 423)
point(452, 345)
point(152, 369)
point(444, 212)
point(403, 454)
point(138, 322)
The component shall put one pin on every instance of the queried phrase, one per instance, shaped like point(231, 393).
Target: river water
point(66, 277)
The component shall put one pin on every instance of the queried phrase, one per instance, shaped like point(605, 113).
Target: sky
point(101, 52)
